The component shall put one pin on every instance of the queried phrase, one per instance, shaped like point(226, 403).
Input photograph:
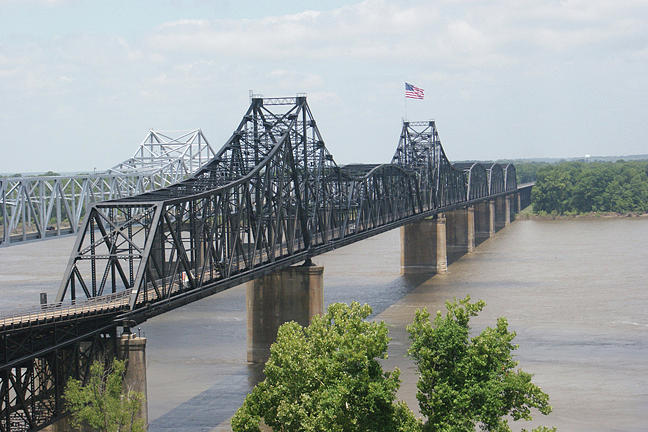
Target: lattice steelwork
point(45, 206)
point(32, 382)
point(272, 196)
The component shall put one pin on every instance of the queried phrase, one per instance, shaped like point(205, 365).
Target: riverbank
point(529, 214)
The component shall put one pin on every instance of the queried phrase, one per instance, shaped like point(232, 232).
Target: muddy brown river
point(575, 291)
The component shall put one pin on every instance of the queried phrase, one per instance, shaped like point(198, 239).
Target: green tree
point(327, 377)
point(464, 381)
point(527, 171)
point(101, 405)
point(577, 187)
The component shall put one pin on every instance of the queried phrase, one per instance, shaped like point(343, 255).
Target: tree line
point(528, 171)
point(581, 187)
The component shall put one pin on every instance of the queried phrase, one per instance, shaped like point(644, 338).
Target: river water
point(575, 291)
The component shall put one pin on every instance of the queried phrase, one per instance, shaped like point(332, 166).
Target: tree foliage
point(465, 382)
point(101, 405)
point(327, 377)
point(527, 171)
point(577, 187)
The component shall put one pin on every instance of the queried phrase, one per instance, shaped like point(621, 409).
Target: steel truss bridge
point(40, 207)
point(272, 196)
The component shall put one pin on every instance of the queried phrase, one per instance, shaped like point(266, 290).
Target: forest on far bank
point(585, 187)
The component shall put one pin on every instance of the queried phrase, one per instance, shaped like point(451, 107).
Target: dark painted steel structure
point(273, 196)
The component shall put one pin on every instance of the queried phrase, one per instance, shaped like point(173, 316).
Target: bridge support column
point(470, 229)
point(460, 228)
point(133, 350)
point(491, 217)
point(423, 246)
point(518, 199)
point(291, 294)
point(507, 210)
point(500, 213)
point(482, 222)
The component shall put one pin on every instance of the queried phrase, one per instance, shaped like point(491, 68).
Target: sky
point(82, 82)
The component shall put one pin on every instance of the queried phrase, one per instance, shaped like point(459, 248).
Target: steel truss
point(272, 196)
point(32, 382)
point(45, 206)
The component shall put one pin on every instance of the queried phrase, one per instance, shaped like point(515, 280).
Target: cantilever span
point(36, 208)
point(272, 196)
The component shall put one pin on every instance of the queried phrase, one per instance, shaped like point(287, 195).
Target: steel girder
point(31, 388)
point(510, 178)
point(272, 195)
point(46, 206)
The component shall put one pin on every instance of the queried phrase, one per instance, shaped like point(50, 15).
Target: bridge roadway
point(115, 307)
point(271, 197)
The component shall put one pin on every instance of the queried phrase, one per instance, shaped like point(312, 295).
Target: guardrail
point(50, 311)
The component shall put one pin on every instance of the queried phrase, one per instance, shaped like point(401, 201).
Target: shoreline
point(581, 216)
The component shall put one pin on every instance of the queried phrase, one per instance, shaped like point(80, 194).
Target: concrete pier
point(460, 230)
point(500, 213)
point(423, 246)
point(507, 210)
point(133, 349)
point(491, 217)
point(470, 213)
point(291, 294)
point(482, 222)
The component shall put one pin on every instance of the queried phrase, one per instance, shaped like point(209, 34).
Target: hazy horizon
point(82, 82)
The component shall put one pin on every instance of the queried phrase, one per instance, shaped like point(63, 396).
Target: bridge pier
point(500, 209)
point(482, 222)
point(133, 349)
point(470, 229)
point(290, 294)
point(491, 216)
point(460, 230)
point(507, 210)
point(423, 246)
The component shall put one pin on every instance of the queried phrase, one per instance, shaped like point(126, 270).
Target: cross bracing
point(272, 196)
point(44, 206)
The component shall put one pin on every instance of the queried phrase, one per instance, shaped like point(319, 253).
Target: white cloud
point(453, 35)
point(472, 57)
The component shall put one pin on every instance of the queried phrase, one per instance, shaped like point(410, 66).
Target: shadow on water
point(211, 409)
point(398, 289)
point(379, 295)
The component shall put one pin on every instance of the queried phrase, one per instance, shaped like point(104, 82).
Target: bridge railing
point(59, 310)
point(271, 193)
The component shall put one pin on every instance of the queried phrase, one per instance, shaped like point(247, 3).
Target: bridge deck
point(46, 314)
point(119, 302)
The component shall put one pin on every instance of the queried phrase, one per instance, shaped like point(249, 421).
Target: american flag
point(413, 92)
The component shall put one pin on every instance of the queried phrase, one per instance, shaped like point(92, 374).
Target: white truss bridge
point(39, 207)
